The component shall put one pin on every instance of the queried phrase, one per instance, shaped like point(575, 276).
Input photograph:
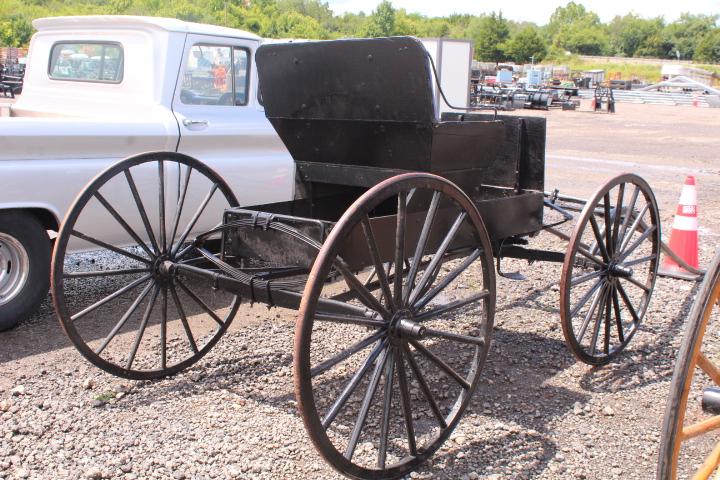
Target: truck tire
point(24, 266)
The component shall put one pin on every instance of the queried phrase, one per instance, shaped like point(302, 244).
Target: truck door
point(222, 122)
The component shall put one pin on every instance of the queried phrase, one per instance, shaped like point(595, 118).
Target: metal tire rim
point(14, 268)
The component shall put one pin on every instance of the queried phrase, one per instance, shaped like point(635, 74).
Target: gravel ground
point(536, 414)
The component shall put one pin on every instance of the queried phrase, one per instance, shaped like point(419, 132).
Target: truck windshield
point(86, 62)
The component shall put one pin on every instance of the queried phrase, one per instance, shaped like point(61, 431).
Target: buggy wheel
point(383, 378)
point(610, 269)
point(123, 312)
point(689, 445)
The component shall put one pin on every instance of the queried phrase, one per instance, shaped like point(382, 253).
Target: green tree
point(685, 33)
point(15, 31)
point(631, 34)
point(578, 30)
point(708, 48)
point(382, 21)
point(526, 44)
point(295, 25)
point(489, 32)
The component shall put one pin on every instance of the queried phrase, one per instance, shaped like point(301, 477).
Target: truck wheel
point(24, 267)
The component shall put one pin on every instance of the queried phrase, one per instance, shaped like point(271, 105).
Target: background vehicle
point(100, 88)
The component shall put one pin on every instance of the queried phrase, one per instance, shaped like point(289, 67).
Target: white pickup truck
point(100, 88)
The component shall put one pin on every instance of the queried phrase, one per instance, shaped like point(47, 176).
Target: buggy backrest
point(386, 79)
point(357, 102)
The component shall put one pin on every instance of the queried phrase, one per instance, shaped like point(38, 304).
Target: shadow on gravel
point(530, 452)
point(643, 364)
point(533, 299)
point(42, 332)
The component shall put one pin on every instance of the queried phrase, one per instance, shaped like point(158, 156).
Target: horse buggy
point(387, 251)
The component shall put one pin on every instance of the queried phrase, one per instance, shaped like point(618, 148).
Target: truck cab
point(100, 88)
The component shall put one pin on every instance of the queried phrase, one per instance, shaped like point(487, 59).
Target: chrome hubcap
point(14, 268)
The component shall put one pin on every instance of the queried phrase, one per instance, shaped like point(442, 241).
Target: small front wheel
point(610, 269)
point(121, 310)
point(24, 266)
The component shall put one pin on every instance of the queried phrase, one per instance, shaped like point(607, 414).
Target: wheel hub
point(402, 326)
point(618, 270)
point(14, 268)
point(160, 269)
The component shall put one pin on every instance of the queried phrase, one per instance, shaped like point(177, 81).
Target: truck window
point(215, 75)
point(86, 62)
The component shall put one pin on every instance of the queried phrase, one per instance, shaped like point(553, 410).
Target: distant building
point(669, 72)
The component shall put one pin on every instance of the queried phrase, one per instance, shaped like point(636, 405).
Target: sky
point(534, 11)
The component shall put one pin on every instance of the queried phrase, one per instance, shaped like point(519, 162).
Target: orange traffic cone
point(684, 235)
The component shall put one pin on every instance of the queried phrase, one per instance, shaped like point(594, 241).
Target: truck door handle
point(194, 123)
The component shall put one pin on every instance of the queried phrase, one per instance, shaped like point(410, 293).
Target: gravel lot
point(537, 412)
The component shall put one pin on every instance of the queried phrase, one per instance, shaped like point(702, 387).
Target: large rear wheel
point(383, 377)
point(689, 446)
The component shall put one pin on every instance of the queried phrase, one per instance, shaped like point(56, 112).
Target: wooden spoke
point(598, 320)
point(163, 329)
point(194, 219)
point(616, 219)
point(447, 280)
point(709, 367)
point(110, 297)
point(143, 326)
point(199, 301)
point(119, 219)
point(105, 273)
point(365, 407)
point(628, 303)
point(455, 337)
point(107, 246)
point(440, 363)
point(709, 465)
point(180, 204)
point(598, 261)
point(591, 312)
point(363, 294)
point(452, 306)
point(128, 313)
point(575, 281)
point(700, 428)
point(630, 209)
point(400, 246)
point(406, 408)
point(599, 239)
point(608, 310)
point(644, 288)
point(345, 354)
point(141, 209)
point(637, 243)
point(377, 262)
point(161, 204)
point(422, 243)
point(638, 261)
point(437, 258)
point(387, 404)
point(581, 303)
point(608, 225)
point(184, 320)
point(424, 387)
point(350, 319)
point(352, 384)
point(618, 315)
point(628, 235)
